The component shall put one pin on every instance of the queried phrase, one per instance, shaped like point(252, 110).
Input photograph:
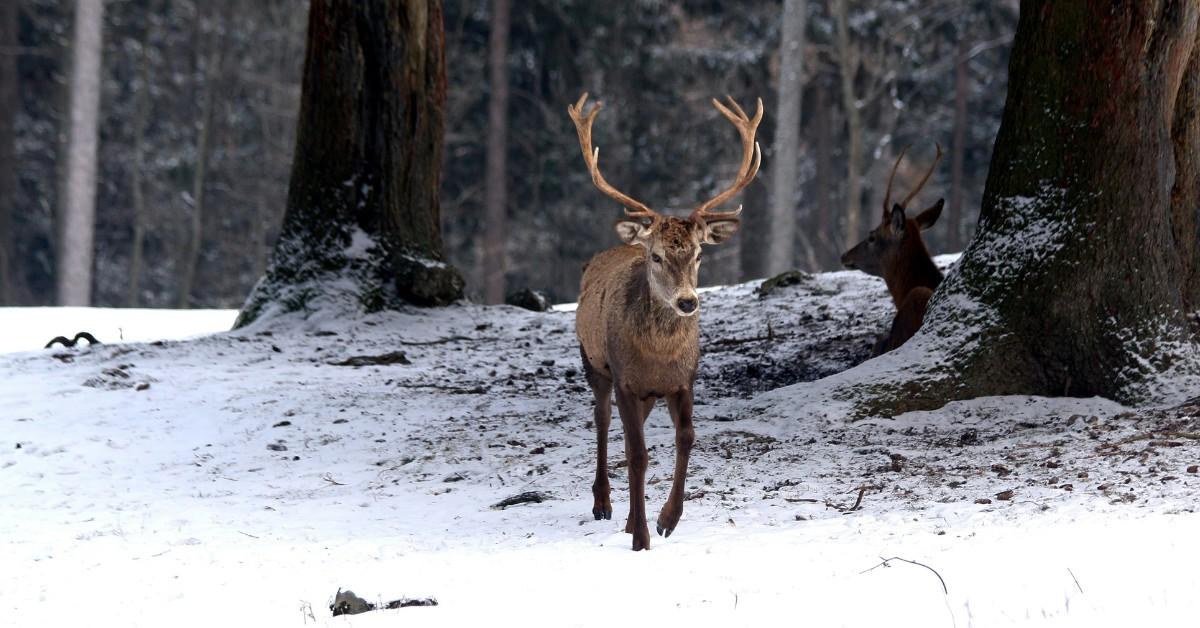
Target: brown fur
point(635, 343)
point(901, 258)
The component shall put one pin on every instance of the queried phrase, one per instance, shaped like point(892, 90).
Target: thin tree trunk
point(954, 223)
point(848, 67)
point(826, 230)
point(361, 229)
point(191, 258)
point(781, 253)
point(9, 106)
point(142, 113)
point(78, 204)
point(495, 263)
point(1084, 275)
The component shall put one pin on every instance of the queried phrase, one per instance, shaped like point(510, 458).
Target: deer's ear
point(634, 231)
point(926, 218)
point(717, 231)
point(897, 218)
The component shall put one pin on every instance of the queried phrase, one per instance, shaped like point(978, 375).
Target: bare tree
point(78, 204)
point(495, 262)
point(781, 242)
point(137, 176)
point(958, 147)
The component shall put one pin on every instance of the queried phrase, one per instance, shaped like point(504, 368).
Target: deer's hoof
point(602, 513)
point(664, 532)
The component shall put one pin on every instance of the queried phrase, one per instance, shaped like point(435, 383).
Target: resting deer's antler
point(887, 196)
point(924, 179)
point(591, 156)
point(751, 158)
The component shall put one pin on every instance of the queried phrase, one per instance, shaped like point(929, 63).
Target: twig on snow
point(858, 502)
point(247, 534)
point(328, 477)
point(529, 497)
point(911, 562)
point(1075, 579)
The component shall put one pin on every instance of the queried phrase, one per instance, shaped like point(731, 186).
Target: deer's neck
point(914, 270)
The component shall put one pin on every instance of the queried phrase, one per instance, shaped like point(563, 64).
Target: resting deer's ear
point(926, 218)
point(898, 218)
point(718, 230)
point(634, 231)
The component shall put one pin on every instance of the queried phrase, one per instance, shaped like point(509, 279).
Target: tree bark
point(781, 253)
point(827, 237)
point(495, 262)
point(361, 228)
point(9, 106)
point(1084, 276)
point(954, 218)
point(78, 203)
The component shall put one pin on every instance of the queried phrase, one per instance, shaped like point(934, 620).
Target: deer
point(638, 320)
point(896, 252)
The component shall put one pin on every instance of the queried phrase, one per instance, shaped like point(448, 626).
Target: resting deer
point(638, 321)
point(895, 251)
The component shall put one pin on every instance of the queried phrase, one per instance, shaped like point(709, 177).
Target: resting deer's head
point(671, 244)
point(889, 244)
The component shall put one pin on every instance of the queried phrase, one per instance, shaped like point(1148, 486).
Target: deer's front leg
point(633, 419)
point(680, 405)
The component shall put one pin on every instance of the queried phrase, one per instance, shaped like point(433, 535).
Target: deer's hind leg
point(602, 389)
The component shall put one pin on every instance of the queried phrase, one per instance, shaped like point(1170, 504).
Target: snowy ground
point(243, 478)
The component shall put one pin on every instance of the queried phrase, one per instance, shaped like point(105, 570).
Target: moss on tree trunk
point(362, 219)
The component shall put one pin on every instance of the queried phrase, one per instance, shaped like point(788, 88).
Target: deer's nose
point(687, 306)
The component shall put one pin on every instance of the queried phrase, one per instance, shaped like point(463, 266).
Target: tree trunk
point(954, 219)
point(78, 203)
point(191, 252)
point(361, 229)
point(9, 106)
point(848, 67)
point(142, 114)
point(828, 242)
point(781, 253)
point(1084, 276)
point(496, 195)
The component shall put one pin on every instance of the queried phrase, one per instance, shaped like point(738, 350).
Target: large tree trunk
point(1084, 276)
point(78, 203)
point(362, 223)
point(496, 195)
point(781, 254)
point(9, 106)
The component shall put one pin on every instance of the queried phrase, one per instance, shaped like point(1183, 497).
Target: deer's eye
point(655, 258)
point(871, 239)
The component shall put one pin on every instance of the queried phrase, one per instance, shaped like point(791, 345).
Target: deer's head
point(672, 245)
point(887, 245)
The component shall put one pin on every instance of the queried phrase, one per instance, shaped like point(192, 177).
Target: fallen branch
point(911, 562)
point(1075, 579)
point(528, 497)
point(395, 357)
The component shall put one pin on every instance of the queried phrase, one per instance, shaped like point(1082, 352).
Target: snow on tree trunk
point(78, 206)
point(1082, 279)
point(361, 229)
point(496, 195)
point(782, 238)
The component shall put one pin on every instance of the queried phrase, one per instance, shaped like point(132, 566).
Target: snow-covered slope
point(242, 478)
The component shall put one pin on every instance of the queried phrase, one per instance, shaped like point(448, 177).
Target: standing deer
point(638, 321)
point(895, 251)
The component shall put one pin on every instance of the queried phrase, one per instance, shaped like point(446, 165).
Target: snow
point(253, 478)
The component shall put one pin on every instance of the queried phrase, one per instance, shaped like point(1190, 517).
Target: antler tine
point(591, 156)
point(887, 196)
point(751, 156)
point(913, 194)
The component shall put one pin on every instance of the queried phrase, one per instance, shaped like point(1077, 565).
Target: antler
point(591, 156)
point(887, 197)
point(751, 158)
point(913, 194)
